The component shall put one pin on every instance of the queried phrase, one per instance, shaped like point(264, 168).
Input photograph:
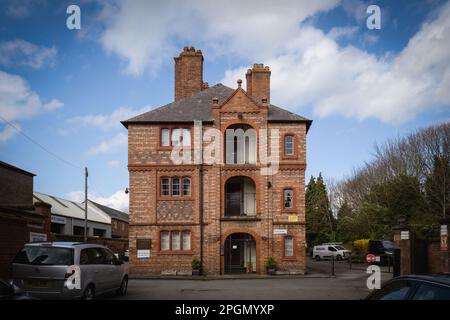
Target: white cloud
point(8, 132)
point(139, 31)
point(110, 145)
point(342, 32)
point(108, 121)
point(314, 70)
point(19, 102)
point(23, 53)
point(118, 200)
point(113, 163)
point(53, 105)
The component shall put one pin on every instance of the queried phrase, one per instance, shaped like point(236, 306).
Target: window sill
point(190, 198)
point(176, 252)
point(289, 259)
point(241, 218)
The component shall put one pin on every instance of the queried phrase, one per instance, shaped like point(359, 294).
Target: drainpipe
point(201, 216)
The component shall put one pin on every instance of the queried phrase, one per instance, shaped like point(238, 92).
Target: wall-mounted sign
point(279, 231)
point(444, 244)
point(444, 230)
point(58, 219)
point(37, 237)
point(143, 254)
point(143, 247)
point(404, 235)
point(293, 218)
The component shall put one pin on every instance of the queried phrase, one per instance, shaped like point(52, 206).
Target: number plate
point(38, 283)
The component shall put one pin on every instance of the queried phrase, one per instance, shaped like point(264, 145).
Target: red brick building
point(230, 213)
point(21, 221)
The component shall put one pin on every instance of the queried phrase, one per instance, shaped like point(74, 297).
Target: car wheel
point(317, 258)
point(89, 293)
point(338, 257)
point(123, 287)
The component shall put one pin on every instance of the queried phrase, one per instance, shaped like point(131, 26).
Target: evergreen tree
point(319, 218)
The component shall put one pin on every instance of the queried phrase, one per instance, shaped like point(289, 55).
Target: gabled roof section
point(199, 107)
point(113, 213)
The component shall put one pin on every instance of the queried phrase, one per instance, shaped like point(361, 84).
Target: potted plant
point(195, 266)
point(271, 265)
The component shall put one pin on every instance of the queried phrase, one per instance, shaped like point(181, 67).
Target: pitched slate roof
point(198, 107)
point(113, 213)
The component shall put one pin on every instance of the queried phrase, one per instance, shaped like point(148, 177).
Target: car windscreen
point(389, 245)
point(37, 255)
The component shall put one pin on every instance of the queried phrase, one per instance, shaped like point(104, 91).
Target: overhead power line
point(40, 145)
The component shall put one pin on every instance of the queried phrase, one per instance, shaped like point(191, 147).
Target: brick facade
point(202, 213)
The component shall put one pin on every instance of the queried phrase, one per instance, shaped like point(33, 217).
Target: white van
point(326, 250)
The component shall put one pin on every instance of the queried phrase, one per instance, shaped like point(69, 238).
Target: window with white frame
point(175, 186)
point(289, 145)
point(186, 186)
point(175, 240)
point(172, 137)
point(288, 246)
point(288, 197)
point(165, 137)
point(165, 186)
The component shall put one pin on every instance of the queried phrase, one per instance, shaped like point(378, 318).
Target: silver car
point(68, 270)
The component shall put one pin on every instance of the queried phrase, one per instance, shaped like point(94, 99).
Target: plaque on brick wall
point(143, 247)
point(444, 231)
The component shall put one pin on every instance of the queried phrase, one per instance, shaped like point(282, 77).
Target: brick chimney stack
point(258, 82)
point(188, 73)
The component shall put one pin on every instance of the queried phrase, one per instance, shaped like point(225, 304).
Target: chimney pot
point(239, 83)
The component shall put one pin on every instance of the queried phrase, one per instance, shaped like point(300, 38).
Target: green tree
point(319, 218)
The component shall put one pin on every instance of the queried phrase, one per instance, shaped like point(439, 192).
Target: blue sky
point(68, 89)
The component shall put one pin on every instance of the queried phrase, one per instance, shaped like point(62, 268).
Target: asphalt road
point(347, 284)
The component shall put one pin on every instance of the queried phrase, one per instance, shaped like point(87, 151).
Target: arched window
point(240, 145)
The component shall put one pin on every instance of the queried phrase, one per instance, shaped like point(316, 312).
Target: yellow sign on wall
point(293, 218)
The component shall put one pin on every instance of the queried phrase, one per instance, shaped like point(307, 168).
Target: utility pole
point(85, 202)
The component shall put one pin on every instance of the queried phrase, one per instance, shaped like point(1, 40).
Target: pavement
point(347, 284)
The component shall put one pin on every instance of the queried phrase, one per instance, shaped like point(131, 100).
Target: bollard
point(332, 264)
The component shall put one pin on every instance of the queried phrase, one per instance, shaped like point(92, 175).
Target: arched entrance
point(240, 197)
point(240, 253)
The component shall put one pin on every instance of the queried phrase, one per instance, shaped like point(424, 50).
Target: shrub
point(271, 263)
point(361, 247)
point(195, 263)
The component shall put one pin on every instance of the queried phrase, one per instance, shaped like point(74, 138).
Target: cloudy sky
point(67, 90)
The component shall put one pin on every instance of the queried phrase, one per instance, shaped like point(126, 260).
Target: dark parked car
point(414, 287)
point(6, 290)
point(384, 249)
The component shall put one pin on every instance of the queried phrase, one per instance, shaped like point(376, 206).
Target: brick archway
point(248, 231)
point(258, 188)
